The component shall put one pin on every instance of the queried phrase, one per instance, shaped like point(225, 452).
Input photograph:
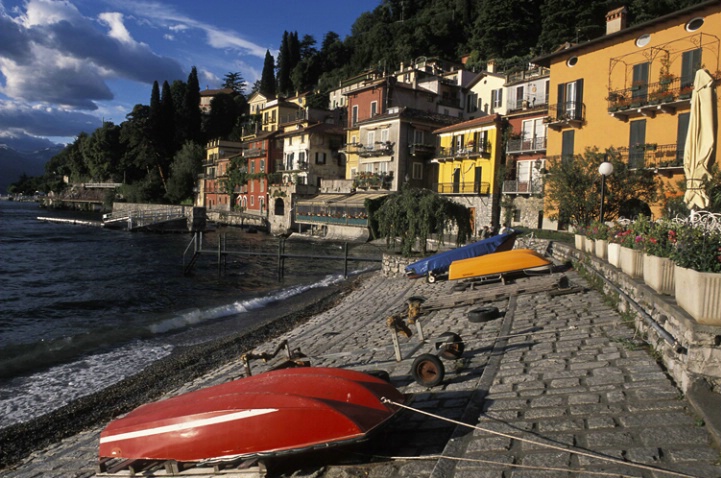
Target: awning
point(321, 200)
point(700, 141)
point(357, 200)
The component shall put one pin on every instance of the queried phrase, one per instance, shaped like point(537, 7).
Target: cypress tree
point(267, 78)
point(192, 106)
point(284, 66)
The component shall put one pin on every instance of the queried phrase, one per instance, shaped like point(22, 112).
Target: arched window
point(279, 209)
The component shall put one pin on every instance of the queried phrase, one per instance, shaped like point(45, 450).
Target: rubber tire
point(428, 370)
point(450, 350)
point(430, 278)
point(483, 314)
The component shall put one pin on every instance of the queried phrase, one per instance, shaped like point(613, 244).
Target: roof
point(411, 114)
point(322, 128)
point(545, 60)
point(209, 92)
point(483, 120)
point(343, 200)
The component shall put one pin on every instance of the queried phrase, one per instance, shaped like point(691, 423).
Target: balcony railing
point(296, 166)
point(469, 150)
point(648, 95)
point(567, 113)
point(365, 180)
point(653, 156)
point(254, 152)
point(418, 149)
point(526, 145)
point(469, 187)
point(514, 186)
point(528, 105)
point(379, 148)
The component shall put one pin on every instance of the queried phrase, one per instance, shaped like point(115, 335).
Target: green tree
point(102, 152)
point(285, 66)
point(234, 81)
point(413, 215)
point(192, 109)
point(573, 187)
point(267, 77)
point(223, 116)
point(184, 170)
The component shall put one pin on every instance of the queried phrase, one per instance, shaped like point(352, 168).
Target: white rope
point(513, 465)
point(538, 443)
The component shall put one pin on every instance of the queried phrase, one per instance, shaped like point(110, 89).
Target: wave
point(193, 317)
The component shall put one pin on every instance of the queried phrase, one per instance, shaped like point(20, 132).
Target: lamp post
point(605, 169)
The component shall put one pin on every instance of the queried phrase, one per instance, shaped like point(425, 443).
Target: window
point(418, 137)
point(472, 102)
point(690, 63)
point(354, 117)
point(320, 157)
point(681, 133)
point(354, 139)
point(417, 171)
point(289, 161)
point(301, 160)
point(262, 165)
point(567, 145)
point(694, 24)
point(384, 135)
point(371, 139)
point(639, 85)
point(570, 100)
point(252, 201)
point(252, 167)
point(374, 108)
point(637, 144)
point(383, 168)
point(572, 61)
point(643, 40)
point(523, 171)
point(496, 98)
point(519, 97)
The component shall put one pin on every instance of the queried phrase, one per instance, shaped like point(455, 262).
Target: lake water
point(84, 307)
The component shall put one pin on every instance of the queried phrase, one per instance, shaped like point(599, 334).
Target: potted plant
point(598, 231)
point(685, 92)
point(631, 256)
point(697, 256)
point(658, 268)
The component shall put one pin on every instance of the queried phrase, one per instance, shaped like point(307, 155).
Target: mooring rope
point(542, 444)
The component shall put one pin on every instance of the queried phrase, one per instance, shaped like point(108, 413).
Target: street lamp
point(605, 169)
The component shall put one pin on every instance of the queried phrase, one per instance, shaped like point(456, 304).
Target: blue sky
point(65, 65)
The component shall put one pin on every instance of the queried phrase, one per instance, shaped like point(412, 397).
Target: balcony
point(255, 152)
point(527, 75)
point(664, 157)
point(422, 150)
point(648, 99)
point(379, 148)
point(526, 145)
point(569, 113)
point(365, 180)
point(528, 106)
point(515, 186)
point(467, 151)
point(468, 188)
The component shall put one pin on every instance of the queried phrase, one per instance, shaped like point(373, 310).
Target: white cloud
point(117, 29)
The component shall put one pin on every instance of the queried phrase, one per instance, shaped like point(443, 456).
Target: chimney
point(491, 66)
point(616, 20)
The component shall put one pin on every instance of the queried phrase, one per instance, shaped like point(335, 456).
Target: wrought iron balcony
point(418, 149)
point(649, 98)
point(515, 186)
point(526, 145)
point(653, 156)
point(569, 113)
point(468, 187)
point(469, 150)
point(379, 148)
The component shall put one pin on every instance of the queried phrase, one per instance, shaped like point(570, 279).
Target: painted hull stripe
point(189, 425)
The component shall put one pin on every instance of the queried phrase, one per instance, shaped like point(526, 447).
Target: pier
point(196, 248)
point(77, 222)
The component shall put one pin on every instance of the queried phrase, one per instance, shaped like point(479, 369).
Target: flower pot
point(658, 273)
point(614, 254)
point(578, 238)
point(632, 262)
point(589, 245)
point(601, 246)
point(699, 294)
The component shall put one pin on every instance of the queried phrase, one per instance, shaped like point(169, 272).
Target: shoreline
point(181, 367)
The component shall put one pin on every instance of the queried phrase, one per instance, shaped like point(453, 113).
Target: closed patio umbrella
point(699, 141)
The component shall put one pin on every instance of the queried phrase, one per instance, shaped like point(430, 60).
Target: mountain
point(14, 163)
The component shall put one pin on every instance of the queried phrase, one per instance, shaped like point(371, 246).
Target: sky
point(68, 65)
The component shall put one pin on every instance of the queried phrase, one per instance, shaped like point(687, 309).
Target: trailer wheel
point(483, 314)
point(451, 348)
point(428, 370)
point(430, 278)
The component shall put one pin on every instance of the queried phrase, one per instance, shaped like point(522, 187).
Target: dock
point(77, 222)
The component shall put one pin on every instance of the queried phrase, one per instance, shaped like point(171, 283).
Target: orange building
point(630, 90)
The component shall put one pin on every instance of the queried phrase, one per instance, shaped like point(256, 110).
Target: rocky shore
point(184, 365)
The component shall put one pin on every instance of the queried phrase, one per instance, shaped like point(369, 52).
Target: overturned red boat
point(281, 411)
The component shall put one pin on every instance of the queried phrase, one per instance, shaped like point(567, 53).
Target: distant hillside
point(14, 163)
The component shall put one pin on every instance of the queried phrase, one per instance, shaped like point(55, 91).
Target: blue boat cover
point(439, 263)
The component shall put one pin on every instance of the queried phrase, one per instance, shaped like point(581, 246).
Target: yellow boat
point(498, 263)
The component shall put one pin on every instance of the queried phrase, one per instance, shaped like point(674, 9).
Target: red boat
point(275, 412)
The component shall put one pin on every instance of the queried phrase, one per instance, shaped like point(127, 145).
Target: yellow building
point(468, 159)
point(630, 89)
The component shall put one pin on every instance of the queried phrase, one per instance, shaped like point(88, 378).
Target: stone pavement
point(557, 385)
